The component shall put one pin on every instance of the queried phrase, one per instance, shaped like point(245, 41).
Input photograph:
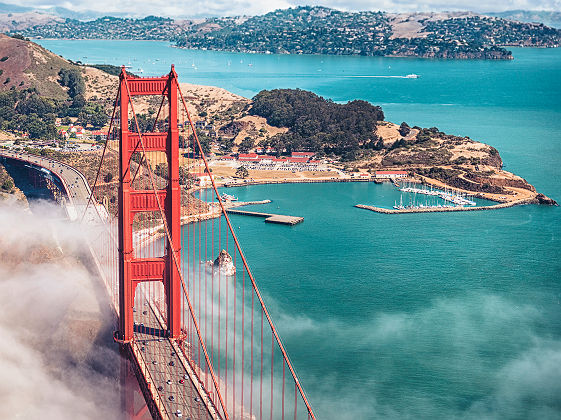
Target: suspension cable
point(173, 251)
point(238, 247)
point(101, 161)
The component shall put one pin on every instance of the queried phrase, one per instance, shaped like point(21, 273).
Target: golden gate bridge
point(191, 323)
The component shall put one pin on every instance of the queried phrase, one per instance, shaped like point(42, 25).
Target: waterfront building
point(390, 174)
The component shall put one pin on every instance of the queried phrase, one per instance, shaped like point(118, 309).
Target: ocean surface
point(420, 316)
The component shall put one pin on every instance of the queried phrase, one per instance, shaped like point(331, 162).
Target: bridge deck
point(168, 371)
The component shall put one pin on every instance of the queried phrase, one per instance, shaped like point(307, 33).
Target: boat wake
point(409, 76)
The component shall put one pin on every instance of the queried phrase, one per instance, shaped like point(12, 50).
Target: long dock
point(269, 217)
point(440, 209)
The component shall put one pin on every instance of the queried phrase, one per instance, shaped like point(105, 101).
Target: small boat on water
point(228, 197)
point(400, 206)
point(412, 76)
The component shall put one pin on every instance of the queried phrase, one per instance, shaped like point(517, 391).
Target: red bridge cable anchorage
point(168, 235)
point(246, 266)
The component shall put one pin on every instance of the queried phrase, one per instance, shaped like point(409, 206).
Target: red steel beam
point(148, 269)
point(152, 142)
point(142, 201)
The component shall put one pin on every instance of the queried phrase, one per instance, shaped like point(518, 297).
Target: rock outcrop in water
point(225, 263)
point(542, 199)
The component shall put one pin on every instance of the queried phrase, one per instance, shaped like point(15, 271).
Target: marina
point(451, 198)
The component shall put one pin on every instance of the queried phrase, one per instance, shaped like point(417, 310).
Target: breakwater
point(441, 209)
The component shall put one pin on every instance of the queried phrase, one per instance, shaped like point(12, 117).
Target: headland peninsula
point(58, 108)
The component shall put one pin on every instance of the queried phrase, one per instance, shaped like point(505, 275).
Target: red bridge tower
point(165, 269)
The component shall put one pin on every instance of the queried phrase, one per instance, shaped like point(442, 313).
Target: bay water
point(450, 315)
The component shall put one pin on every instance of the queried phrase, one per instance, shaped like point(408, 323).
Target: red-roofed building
point(390, 174)
point(303, 154)
point(229, 157)
point(249, 157)
point(298, 159)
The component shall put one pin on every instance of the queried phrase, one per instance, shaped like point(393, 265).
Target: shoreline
point(326, 180)
point(390, 56)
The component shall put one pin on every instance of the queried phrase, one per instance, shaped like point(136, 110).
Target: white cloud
point(251, 7)
point(54, 363)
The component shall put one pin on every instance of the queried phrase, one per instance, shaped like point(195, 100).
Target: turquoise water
point(414, 316)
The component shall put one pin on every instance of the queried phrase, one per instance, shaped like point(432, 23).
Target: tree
point(7, 185)
point(246, 144)
point(404, 129)
point(72, 79)
point(204, 140)
point(161, 170)
point(242, 172)
point(317, 124)
point(226, 144)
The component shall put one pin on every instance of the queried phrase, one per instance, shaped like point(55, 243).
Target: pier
point(269, 218)
point(440, 209)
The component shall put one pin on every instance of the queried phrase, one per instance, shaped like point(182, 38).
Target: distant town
point(310, 30)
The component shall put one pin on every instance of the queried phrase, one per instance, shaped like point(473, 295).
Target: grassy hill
point(24, 64)
point(37, 87)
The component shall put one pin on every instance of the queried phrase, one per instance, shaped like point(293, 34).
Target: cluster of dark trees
point(110, 69)
point(87, 113)
point(185, 178)
point(317, 124)
point(72, 79)
point(26, 111)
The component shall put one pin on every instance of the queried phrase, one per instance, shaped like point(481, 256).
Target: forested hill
point(320, 30)
point(316, 124)
point(313, 30)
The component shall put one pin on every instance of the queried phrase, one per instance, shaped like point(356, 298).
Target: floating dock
point(269, 218)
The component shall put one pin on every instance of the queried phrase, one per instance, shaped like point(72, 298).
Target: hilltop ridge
point(24, 64)
point(314, 30)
